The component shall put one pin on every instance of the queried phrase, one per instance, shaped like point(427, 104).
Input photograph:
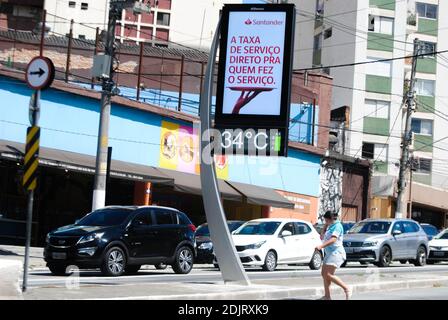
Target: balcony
point(427, 65)
point(426, 104)
point(380, 42)
point(383, 4)
point(423, 143)
point(378, 84)
point(376, 126)
point(427, 26)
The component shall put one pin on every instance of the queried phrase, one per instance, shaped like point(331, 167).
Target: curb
point(9, 281)
point(264, 293)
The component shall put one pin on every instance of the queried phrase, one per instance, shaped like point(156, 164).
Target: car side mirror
point(77, 221)
point(286, 233)
point(396, 232)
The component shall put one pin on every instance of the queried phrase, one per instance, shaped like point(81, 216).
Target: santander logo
point(265, 22)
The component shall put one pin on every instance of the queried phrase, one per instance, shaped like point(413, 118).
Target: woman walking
point(334, 254)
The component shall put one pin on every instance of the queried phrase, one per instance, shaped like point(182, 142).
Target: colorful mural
point(179, 150)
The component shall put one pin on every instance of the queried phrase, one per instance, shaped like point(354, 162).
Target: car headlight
point(90, 237)
point(256, 245)
point(370, 243)
point(206, 245)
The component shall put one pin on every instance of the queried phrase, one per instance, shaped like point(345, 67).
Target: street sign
point(255, 69)
point(40, 73)
point(31, 160)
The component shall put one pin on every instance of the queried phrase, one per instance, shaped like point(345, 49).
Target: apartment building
point(332, 32)
point(88, 15)
point(173, 23)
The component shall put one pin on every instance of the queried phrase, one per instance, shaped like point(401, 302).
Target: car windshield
point(105, 217)
point(430, 230)
point(347, 226)
point(370, 227)
point(258, 228)
point(203, 230)
point(442, 235)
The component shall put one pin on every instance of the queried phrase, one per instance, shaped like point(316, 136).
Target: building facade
point(332, 32)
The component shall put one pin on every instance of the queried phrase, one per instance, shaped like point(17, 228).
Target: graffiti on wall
point(330, 198)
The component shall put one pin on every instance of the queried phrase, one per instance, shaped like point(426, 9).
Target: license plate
point(439, 253)
point(349, 250)
point(59, 255)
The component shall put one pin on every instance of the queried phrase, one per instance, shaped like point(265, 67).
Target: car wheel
point(114, 262)
point(58, 270)
point(270, 262)
point(161, 266)
point(385, 258)
point(420, 260)
point(183, 262)
point(132, 269)
point(316, 261)
point(403, 261)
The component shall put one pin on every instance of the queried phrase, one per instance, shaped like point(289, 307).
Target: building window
point(82, 37)
point(71, 4)
point(428, 47)
point(84, 6)
point(374, 151)
point(328, 33)
point(422, 126)
point(423, 166)
point(426, 10)
point(380, 68)
point(163, 18)
point(382, 25)
point(425, 87)
point(377, 109)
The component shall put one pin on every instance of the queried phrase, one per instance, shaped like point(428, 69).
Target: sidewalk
point(18, 252)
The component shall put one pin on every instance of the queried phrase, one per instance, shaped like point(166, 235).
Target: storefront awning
point(84, 163)
point(191, 183)
point(261, 195)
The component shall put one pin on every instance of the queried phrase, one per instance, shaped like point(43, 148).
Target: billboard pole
point(229, 263)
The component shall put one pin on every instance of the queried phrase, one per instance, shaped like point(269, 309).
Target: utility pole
point(407, 136)
point(104, 68)
point(99, 188)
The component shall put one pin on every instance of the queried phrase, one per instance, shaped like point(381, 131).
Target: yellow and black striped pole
point(31, 161)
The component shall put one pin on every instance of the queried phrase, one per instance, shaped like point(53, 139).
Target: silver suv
point(381, 241)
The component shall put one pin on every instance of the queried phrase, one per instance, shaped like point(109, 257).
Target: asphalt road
point(43, 277)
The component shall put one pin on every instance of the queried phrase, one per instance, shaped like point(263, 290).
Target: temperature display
point(256, 142)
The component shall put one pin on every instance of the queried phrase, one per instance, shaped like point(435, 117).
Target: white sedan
point(438, 248)
point(270, 242)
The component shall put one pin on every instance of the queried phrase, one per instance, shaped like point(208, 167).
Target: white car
point(270, 242)
point(438, 248)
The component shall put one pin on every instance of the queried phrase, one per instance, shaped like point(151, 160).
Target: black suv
point(121, 239)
